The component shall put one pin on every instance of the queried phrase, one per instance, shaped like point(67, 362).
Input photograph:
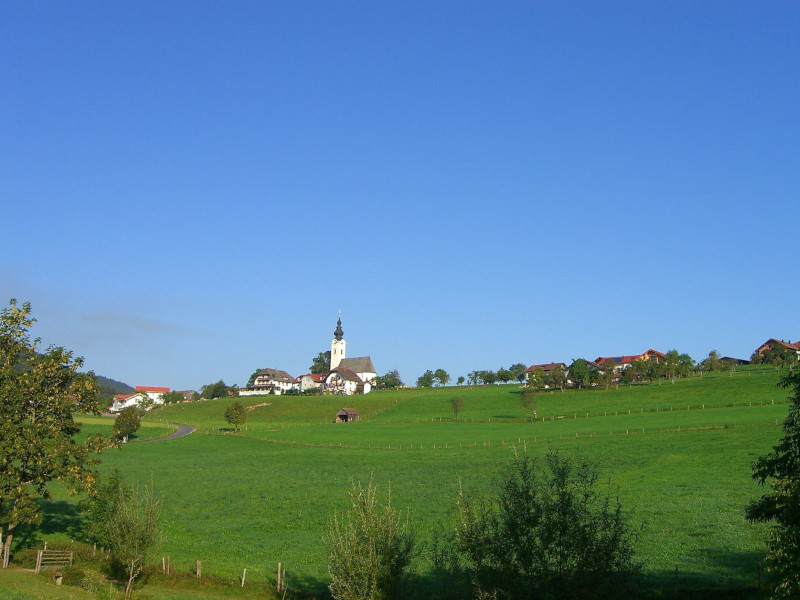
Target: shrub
point(548, 533)
point(369, 551)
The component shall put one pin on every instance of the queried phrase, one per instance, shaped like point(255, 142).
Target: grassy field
point(677, 454)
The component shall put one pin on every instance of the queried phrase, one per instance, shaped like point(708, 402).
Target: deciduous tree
point(426, 379)
point(536, 378)
point(214, 390)
point(457, 404)
point(252, 379)
point(172, 398)
point(579, 372)
point(529, 401)
point(127, 422)
point(557, 377)
point(236, 415)
point(321, 363)
point(517, 371)
point(390, 380)
point(504, 375)
point(441, 377)
point(40, 392)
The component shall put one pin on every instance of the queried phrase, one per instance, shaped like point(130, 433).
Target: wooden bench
point(46, 559)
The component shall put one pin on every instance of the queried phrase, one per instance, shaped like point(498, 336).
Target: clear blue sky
point(192, 190)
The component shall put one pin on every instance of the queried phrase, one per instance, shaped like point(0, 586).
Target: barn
point(346, 415)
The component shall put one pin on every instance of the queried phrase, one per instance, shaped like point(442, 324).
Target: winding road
point(183, 431)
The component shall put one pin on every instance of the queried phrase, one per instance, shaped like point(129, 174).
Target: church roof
point(347, 374)
point(359, 364)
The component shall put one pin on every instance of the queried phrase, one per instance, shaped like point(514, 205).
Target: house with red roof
point(145, 395)
point(620, 363)
point(310, 381)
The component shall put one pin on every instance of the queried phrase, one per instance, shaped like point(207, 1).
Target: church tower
point(338, 344)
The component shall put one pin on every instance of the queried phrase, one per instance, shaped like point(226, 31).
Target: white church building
point(348, 375)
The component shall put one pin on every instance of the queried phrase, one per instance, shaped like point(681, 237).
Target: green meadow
point(678, 455)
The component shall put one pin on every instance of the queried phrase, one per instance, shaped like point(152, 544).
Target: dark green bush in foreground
point(548, 533)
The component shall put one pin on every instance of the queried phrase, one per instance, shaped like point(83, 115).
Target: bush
point(93, 582)
point(369, 551)
point(71, 575)
point(548, 533)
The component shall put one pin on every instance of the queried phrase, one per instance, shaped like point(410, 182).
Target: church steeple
point(338, 344)
point(339, 333)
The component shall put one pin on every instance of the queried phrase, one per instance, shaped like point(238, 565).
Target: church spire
point(338, 334)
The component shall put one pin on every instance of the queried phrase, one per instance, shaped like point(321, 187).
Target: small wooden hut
point(346, 415)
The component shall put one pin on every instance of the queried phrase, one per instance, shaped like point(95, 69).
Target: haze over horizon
point(192, 191)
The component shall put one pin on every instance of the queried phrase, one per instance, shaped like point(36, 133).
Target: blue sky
point(192, 190)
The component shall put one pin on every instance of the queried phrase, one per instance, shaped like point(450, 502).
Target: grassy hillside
point(678, 455)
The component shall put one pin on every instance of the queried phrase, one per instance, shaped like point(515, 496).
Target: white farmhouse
point(144, 395)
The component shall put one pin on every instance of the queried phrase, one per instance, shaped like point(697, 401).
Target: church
point(348, 375)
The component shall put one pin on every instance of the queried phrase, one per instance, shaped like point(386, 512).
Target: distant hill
point(110, 387)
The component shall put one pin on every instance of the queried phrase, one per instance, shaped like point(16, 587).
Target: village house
point(621, 363)
point(310, 381)
point(144, 395)
point(546, 368)
point(772, 344)
point(269, 381)
point(345, 381)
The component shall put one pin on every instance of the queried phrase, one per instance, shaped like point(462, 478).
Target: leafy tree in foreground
point(236, 415)
point(782, 505)
point(321, 363)
point(369, 549)
point(547, 534)
point(40, 392)
point(457, 404)
point(127, 422)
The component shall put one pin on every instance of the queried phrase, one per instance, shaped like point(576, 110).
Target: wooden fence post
point(199, 569)
point(279, 577)
point(244, 574)
point(676, 581)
